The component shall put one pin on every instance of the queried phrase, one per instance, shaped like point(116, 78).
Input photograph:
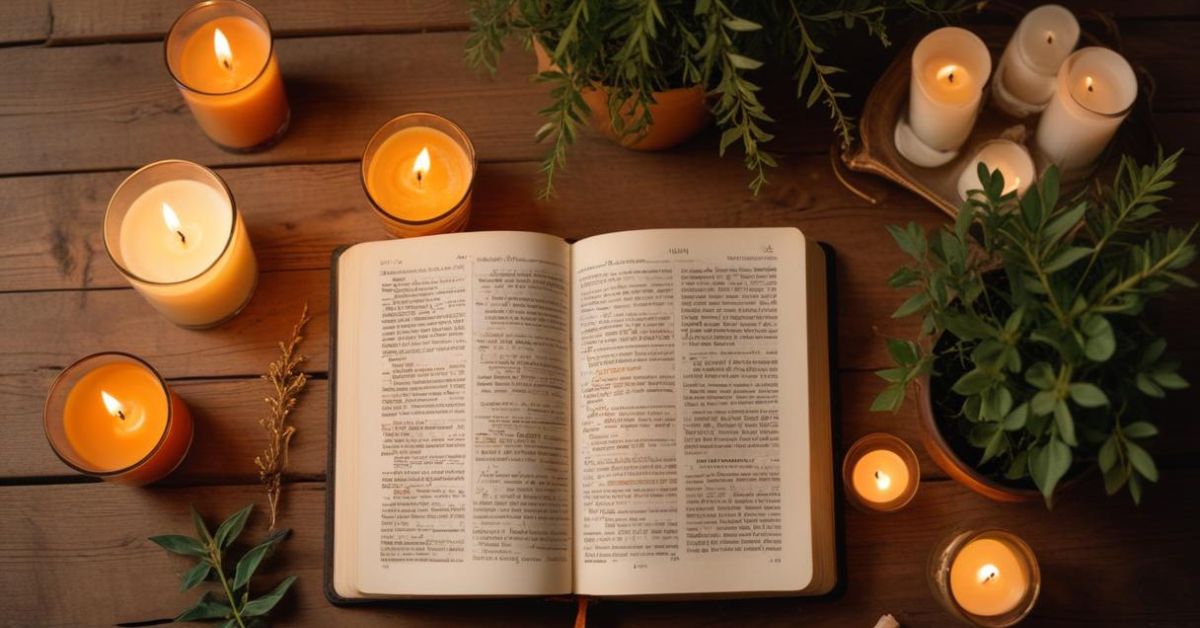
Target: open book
point(643, 413)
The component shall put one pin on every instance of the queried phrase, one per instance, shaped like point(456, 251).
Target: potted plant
point(1034, 360)
point(652, 73)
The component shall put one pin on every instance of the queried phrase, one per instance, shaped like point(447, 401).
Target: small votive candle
point(1010, 158)
point(418, 172)
point(222, 57)
point(1096, 89)
point(881, 473)
point(1028, 69)
point(111, 415)
point(949, 69)
point(173, 229)
point(987, 578)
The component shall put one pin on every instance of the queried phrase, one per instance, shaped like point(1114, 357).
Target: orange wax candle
point(221, 55)
point(881, 473)
point(418, 171)
point(988, 578)
point(111, 415)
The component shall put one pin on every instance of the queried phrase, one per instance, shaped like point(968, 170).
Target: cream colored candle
point(881, 473)
point(1010, 158)
point(1044, 38)
point(988, 578)
point(1096, 89)
point(949, 69)
point(173, 230)
point(880, 476)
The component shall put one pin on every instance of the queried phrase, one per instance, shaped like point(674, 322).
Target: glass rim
point(1064, 79)
point(233, 223)
point(162, 439)
point(204, 4)
point(894, 444)
point(377, 138)
point(1028, 557)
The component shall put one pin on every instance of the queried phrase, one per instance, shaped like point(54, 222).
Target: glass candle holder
point(111, 415)
point(985, 578)
point(222, 57)
point(418, 172)
point(173, 229)
point(881, 473)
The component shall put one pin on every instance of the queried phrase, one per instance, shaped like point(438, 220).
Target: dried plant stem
point(287, 380)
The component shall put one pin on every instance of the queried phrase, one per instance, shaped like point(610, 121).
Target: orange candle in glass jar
point(111, 415)
point(221, 54)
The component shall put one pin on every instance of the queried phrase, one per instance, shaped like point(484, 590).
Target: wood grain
point(90, 564)
point(24, 21)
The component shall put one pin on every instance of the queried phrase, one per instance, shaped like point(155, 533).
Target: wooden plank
point(77, 554)
point(86, 21)
point(24, 21)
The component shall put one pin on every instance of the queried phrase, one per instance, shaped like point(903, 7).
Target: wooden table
point(75, 118)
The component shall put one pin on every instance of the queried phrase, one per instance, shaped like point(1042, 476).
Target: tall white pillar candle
point(949, 69)
point(1095, 90)
point(1037, 49)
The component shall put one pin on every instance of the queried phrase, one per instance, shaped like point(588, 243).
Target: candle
point(1010, 158)
point(881, 473)
point(949, 68)
point(418, 171)
point(221, 55)
point(111, 415)
point(1025, 78)
point(173, 230)
point(987, 578)
point(1095, 90)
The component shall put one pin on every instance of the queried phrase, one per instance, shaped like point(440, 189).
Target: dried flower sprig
point(287, 380)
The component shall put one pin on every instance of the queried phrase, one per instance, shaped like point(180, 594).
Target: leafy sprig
point(287, 382)
point(234, 603)
point(1036, 302)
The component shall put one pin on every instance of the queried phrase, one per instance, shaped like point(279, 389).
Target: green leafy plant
point(1031, 316)
point(234, 604)
point(633, 48)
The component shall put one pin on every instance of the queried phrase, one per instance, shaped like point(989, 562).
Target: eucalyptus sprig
point(1034, 306)
point(233, 603)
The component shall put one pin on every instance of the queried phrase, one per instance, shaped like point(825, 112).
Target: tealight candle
point(111, 415)
point(1010, 158)
point(173, 230)
point(988, 578)
point(221, 55)
point(949, 69)
point(418, 171)
point(1096, 89)
point(1027, 71)
point(881, 473)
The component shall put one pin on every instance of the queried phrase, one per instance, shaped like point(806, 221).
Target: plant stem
point(214, 555)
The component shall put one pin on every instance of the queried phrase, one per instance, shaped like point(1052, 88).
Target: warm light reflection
point(1087, 81)
point(948, 73)
point(987, 573)
point(421, 164)
point(882, 480)
point(221, 48)
point(111, 404)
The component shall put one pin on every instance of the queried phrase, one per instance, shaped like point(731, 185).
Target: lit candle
point(173, 230)
point(881, 473)
point(949, 68)
point(1010, 158)
point(221, 56)
point(1096, 89)
point(988, 578)
point(111, 415)
point(418, 172)
point(1026, 74)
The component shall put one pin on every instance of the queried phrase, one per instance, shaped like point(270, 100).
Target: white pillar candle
point(1010, 158)
point(949, 69)
point(1095, 90)
point(1030, 63)
point(173, 230)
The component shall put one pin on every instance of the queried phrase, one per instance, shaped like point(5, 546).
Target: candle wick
point(419, 178)
point(950, 77)
point(227, 63)
point(876, 475)
point(1050, 38)
point(182, 238)
point(1091, 88)
point(121, 414)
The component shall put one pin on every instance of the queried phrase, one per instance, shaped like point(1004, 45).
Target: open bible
point(637, 414)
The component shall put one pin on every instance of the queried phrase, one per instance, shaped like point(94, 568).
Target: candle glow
point(947, 73)
point(987, 573)
point(111, 404)
point(421, 164)
point(882, 480)
point(222, 50)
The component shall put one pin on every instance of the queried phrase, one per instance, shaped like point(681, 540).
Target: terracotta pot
point(964, 473)
point(679, 114)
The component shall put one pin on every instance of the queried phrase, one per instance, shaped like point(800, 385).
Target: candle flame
point(172, 220)
point(947, 73)
point(111, 404)
point(1089, 83)
point(221, 48)
point(882, 480)
point(987, 573)
point(421, 164)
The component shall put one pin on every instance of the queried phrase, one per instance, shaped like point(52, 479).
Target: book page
point(463, 401)
point(691, 430)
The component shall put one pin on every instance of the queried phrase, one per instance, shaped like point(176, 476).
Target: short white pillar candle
point(1095, 90)
point(1010, 158)
point(1029, 67)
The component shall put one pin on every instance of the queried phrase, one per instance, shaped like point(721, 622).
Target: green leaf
point(1140, 429)
point(249, 563)
point(201, 529)
point(263, 604)
point(889, 399)
point(1141, 461)
point(1107, 457)
point(1065, 423)
point(743, 63)
point(231, 528)
point(1044, 402)
point(195, 575)
point(1041, 376)
point(741, 25)
point(973, 383)
point(1148, 387)
point(962, 224)
point(1064, 222)
point(1087, 395)
point(1135, 488)
point(1114, 478)
point(914, 304)
point(207, 607)
point(1017, 418)
point(1101, 342)
point(1169, 380)
point(180, 544)
point(1069, 256)
point(895, 375)
point(904, 352)
point(1047, 464)
point(1019, 467)
point(903, 277)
